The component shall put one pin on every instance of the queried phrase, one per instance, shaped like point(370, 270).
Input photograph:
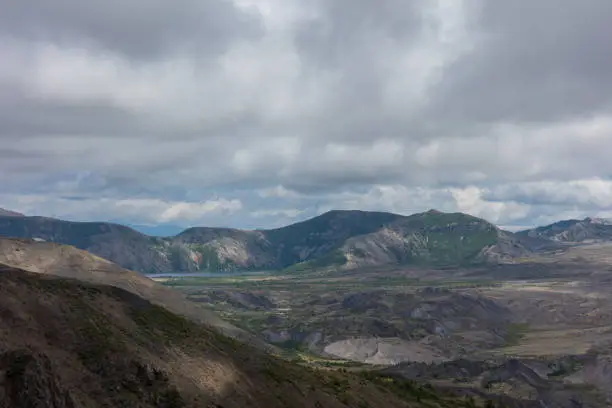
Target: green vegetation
point(332, 259)
point(424, 394)
point(515, 333)
point(101, 344)
point(449, 239)
point(155, 322)
point(328, 230)
point(565, 368)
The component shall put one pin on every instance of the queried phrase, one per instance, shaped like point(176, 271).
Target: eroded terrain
point(534, 332)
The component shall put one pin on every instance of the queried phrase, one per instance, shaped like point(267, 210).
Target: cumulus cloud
point(283, 109)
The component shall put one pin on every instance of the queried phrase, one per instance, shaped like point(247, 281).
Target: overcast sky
point(259, 113)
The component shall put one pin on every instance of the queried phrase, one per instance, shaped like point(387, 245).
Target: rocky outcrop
point(384, 351)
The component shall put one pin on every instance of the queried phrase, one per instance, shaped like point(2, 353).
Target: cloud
point(202, 28)
point(285, 213)
point(534, 62)
point(138, 211)
point(282, 109)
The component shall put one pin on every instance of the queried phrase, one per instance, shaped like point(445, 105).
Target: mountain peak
point(595, 220)
point(9, 213)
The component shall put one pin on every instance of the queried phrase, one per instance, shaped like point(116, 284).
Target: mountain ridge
point(573, 230)
point(337, 239)
point(9, 213)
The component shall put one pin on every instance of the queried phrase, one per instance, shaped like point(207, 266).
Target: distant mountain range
point(586, 230)
point(339, 239)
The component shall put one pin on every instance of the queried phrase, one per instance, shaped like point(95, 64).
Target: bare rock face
point(382, 351)
point(29, 381)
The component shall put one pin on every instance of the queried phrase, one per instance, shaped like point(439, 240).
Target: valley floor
point(555, 318)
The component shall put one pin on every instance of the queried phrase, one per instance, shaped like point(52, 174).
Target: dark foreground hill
point(69, 344)
point(339, 239)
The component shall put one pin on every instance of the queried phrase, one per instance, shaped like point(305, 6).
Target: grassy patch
point(160, 323)
point(565, 368)
point(515, 332)
point(425, 394)
point(331, 259)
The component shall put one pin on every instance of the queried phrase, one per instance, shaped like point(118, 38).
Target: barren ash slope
point(339, 239)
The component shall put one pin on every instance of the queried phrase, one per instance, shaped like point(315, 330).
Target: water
point(205, 274)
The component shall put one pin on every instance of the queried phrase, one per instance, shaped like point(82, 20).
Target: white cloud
point(470, 200)
point(285, 213)
point(278, 191)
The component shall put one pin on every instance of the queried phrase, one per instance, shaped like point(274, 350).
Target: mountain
point(8, 213)
point(117, 243)
point(69, 262)
point(342, 239)
point(588, 229)
point(431, 238)
point(428, 238)
point(67, 344)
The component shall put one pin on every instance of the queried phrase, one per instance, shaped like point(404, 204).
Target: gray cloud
point(537, 62)
point(139, 29)
point(499, 109)
point(21, 116)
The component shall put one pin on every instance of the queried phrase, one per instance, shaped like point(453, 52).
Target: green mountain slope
point(317, 237)
point(338, 238)
point(431, 238)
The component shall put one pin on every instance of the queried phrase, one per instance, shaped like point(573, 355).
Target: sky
point(260, 113)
